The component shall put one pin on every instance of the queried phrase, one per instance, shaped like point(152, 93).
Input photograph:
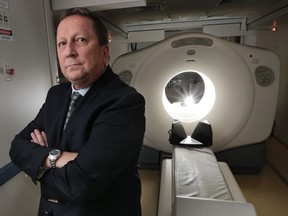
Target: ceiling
point(185, 15)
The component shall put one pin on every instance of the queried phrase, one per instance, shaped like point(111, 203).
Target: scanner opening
point(188, 96)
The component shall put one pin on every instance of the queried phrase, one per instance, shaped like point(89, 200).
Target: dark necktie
point(74, 100)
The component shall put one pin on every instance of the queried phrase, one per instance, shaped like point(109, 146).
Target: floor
point(150, 180)
point(265, 190)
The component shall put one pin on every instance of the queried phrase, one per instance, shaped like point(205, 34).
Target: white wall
point(22, 97)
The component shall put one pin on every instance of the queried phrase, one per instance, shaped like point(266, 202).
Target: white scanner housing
point(241, 88)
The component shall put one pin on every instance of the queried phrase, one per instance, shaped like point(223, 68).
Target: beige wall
point(277, 146)
point(277, 42)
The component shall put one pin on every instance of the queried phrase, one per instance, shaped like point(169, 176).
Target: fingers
point(44, 137)
point(34, 137)
point(39, 137)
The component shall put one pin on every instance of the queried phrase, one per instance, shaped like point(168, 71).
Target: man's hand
point(39, 137)
point(65, 158)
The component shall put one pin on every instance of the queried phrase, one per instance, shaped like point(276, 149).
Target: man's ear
point(106, 56)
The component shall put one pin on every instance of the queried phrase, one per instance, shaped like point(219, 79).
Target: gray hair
point(99, 27)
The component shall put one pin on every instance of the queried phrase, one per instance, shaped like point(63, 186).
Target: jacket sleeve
point(26, 155)
point(113, 146)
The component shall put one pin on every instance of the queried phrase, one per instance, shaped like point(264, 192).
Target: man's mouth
point(73, 65)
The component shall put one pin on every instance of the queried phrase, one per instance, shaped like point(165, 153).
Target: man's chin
point(74, 76)
point(79, 83)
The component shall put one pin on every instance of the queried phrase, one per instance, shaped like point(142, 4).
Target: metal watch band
point(53, 163)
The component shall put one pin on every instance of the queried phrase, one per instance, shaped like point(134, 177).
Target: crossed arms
point(40, 138)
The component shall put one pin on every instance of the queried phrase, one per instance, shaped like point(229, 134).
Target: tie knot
point(75, 97)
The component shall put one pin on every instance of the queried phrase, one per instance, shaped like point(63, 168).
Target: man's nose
point(70, 50)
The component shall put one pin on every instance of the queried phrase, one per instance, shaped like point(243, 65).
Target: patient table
point(193, 183)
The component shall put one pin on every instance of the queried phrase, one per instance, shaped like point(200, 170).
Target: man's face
point(82, 59)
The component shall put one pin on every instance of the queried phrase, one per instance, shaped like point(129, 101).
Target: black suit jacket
point(107, 129)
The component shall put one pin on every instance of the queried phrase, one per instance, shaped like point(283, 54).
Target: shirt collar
point(82, 91)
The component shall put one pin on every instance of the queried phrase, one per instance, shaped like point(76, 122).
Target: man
point(89, 165)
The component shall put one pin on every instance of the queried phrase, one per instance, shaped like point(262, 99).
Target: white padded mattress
point(197, 174)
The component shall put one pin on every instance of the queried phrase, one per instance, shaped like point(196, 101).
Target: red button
point(12, 71)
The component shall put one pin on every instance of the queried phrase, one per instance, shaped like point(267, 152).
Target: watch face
point(55, 152)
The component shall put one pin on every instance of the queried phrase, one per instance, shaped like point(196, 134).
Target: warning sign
point(6, 34)
point(5, 29)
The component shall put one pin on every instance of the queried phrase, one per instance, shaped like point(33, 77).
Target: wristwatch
point(53, 156)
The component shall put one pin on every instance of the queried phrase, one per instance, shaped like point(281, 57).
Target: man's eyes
point(61, 44)
point(81, 40)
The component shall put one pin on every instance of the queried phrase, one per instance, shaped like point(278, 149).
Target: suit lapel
point(63, 104)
